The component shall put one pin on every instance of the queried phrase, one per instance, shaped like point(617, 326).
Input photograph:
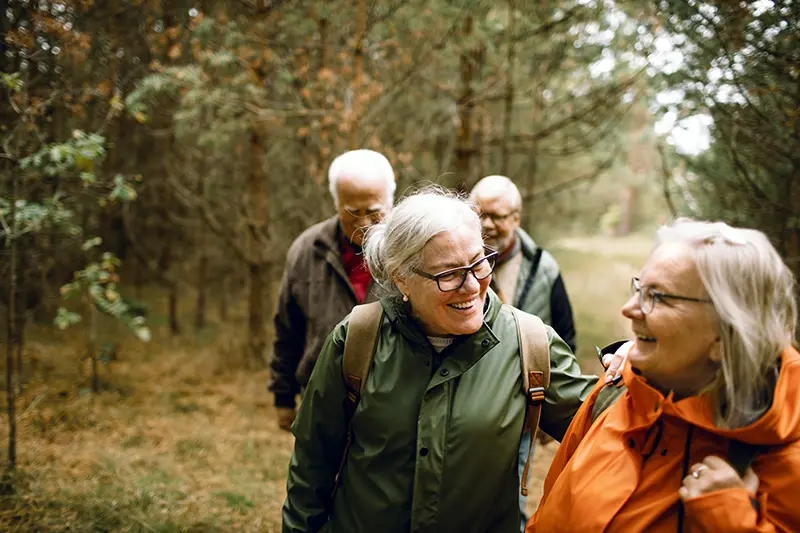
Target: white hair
point(394, 247)
point(753, 292)
point(361, 164)
point(497, 185)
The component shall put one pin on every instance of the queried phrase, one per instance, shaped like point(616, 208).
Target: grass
point(597, 274)
point(184, 438)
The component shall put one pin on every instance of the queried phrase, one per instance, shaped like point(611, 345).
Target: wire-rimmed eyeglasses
point(648, 296)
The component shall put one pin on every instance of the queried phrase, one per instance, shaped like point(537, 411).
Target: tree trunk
point(509, 97)
point(202, 267)
point(358, 71)
point(626, 203)
point(19, 330)
point(258, 216)
point(200, 312)
point(223, 298)
point(174, 324)
point(465, 149)
point(20, 342)
point(256, 315)
point(11, 241)
point(531, 171)
point(91, 344)
point(138, 276)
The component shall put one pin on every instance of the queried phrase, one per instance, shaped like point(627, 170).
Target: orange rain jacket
point(622, 473)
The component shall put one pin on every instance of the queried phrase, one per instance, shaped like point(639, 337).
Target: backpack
point(740, 454)
point(359, 350)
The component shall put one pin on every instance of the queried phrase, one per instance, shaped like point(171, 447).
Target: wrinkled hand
point(713, 474)
point(286, 416)
point(615, 362)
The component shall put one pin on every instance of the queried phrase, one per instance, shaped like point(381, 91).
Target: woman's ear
point(402, 284)
point(715, 351)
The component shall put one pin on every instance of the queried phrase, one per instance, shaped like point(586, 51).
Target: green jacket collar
point(464, 352)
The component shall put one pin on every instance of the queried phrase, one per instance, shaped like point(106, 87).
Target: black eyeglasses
point(648, 296)
point(496, 219)
point(454, 278)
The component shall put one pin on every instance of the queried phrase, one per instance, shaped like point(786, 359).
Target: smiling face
point(458, 312)
point(676, 345)
point(498, 217)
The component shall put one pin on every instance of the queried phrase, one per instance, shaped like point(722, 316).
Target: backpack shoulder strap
point(359, 351)
point(534, 349)
point(359, 347)
point(605, 399)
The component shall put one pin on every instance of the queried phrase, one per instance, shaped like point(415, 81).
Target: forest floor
point(183, 439)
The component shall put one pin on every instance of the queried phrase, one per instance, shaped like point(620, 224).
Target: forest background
point(158, 157)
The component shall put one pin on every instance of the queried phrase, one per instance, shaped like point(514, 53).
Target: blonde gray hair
point(753, 292)
point(394, 247)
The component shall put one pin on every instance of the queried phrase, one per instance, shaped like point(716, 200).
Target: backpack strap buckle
point(536, 395)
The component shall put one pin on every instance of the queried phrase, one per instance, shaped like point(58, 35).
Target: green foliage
point(12, 82)
point(65, 318)
point(32, 217)
point(79, 153)
point(740, 69)
point(98, 282)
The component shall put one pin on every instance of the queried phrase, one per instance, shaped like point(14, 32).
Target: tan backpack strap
point(535, 361)
point(359, 350)
point(359, 347)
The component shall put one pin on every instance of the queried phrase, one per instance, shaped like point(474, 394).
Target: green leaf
point(143, 333)
point(122, 190)
point(91, 243)
point(12, 81)
point(65, 318)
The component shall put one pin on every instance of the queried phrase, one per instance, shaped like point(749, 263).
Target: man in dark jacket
point(526, 276)
point(325, 275)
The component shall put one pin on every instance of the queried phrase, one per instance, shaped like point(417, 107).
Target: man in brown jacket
point(325, 275)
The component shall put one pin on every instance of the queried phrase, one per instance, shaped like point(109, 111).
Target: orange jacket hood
point(779, 425)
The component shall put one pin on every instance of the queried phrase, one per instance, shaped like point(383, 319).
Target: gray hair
point(394, 247)
point(754, 295)
point(362, 164)
point(499, 185)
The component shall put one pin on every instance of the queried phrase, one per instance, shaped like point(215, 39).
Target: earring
point(405, 297)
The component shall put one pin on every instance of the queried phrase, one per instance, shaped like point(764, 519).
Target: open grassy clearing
point(184, 440)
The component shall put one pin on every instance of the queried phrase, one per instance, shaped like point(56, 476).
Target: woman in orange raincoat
point(711, 386)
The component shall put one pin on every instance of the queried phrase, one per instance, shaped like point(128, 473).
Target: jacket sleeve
point(290, 335)
point(561, 313)
point(577, 430)
point(730, 510)
point(568, 388)
point(774, 510)
point(320, 432)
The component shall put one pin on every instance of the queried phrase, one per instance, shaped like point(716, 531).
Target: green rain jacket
point(435, 436)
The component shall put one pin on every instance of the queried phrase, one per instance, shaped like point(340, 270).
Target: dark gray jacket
point(315, 295)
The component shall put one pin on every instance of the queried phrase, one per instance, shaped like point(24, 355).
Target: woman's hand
point(615, 362)
point(713, 474)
